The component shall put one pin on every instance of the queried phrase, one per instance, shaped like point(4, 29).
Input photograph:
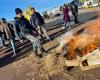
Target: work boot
point(14, 55)
point(38, 53)
point(4, 46)
point(48, 38)
point(69, 27)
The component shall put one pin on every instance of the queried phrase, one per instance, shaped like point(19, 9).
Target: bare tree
point(98, 3)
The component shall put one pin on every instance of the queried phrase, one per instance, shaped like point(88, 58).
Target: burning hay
point(83, 43)
point(53, 63)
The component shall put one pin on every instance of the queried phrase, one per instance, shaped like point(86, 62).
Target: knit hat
point(2, 19)
point(18, 10)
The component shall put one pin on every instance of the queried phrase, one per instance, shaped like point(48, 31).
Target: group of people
point(22, 29)
point(74, 9)
point(32, 30)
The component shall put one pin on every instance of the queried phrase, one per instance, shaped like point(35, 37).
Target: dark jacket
point(74, 9)
point(23, 26)
point(36, 19)
point(7, 30)
point(66, 17)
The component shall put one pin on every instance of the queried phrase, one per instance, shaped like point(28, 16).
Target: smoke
point(63, 40)
point(87, 36)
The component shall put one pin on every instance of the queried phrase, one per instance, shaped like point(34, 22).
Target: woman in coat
point(66, 17)
point(2, 43)
point(8, 32)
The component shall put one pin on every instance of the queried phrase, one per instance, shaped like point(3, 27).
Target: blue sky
point(7, 7)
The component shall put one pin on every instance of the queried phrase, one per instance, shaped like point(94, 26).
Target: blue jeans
point(13, 45)
point(35, 41)
point(67, 24)
point(41, 29)
point(1, 41)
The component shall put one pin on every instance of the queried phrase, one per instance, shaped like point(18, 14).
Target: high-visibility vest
point(27, 15)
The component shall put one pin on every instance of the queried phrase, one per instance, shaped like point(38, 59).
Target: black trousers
point(75, 17)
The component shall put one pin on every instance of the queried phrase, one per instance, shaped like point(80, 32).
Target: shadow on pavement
point(7, 59)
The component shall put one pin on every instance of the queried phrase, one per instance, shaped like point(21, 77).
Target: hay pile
point(50, 67)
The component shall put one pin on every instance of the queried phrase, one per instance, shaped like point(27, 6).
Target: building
point(93, 2)
point(53, 11)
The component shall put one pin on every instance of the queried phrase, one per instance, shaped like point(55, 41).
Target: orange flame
point(87, 40)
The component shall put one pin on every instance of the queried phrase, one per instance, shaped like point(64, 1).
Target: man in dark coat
point(37, 21)
point(24, 29)
point(8, 32)
point(22, 25)
point(74, 9)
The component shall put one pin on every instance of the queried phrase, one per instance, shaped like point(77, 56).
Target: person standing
point(74, 9)
point(66, 17)
point(37, 21)
point(24, 28)
point(8, 32)
point(12, 22)
point(2, 43)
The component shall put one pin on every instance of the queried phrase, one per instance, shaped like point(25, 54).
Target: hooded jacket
point(7, 30)
point(36, 19)
point(74, 9)
point(22, 26)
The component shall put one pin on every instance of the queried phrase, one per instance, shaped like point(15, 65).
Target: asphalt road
point(82, 18)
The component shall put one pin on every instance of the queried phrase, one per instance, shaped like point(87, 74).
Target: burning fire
point(84, 42)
